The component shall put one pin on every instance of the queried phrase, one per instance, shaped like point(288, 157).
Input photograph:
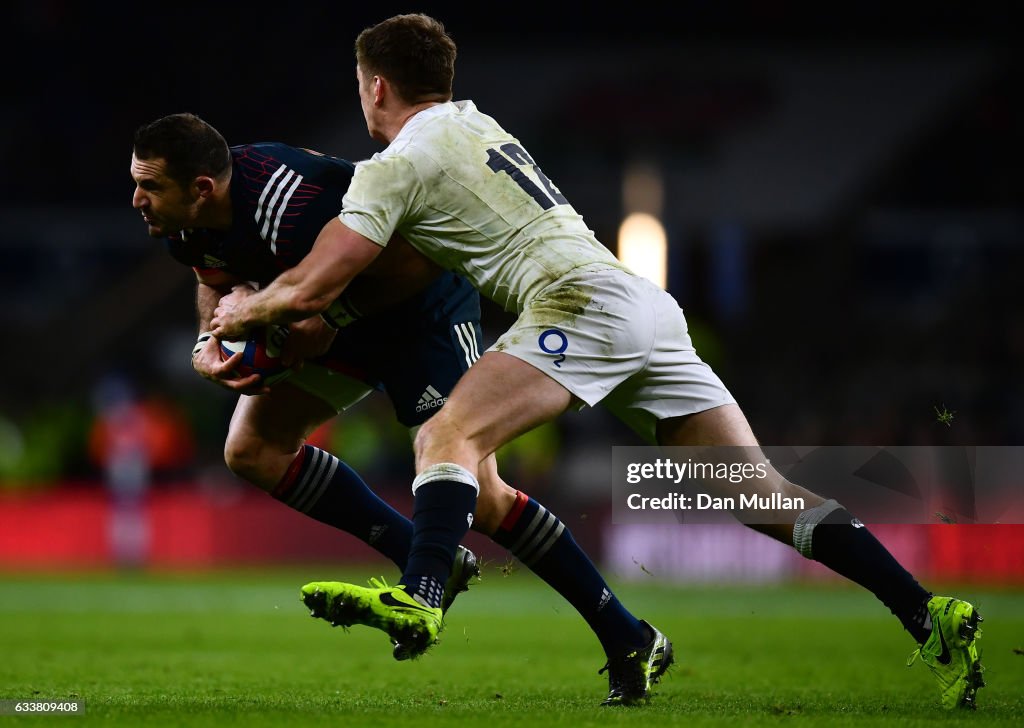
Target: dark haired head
point(188, 145)
point(414, 53)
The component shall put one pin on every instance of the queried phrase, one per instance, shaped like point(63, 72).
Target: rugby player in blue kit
point(241, 215)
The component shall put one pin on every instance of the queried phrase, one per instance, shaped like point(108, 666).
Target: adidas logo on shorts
point(430, 399)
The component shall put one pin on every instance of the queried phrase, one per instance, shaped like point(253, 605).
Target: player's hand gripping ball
point(261, 354)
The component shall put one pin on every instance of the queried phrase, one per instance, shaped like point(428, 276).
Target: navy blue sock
point(842, 543)
point(542, 542)
point(444, 502)
point(325, 488)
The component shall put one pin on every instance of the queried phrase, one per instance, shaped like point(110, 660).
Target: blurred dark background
point(840, 184)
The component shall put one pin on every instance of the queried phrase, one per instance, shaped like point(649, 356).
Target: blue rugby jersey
point(281, 196)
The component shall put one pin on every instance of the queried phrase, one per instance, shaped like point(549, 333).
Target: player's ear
point(380, 86)
point(203, 186)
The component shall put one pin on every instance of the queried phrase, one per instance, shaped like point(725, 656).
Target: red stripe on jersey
point(256, 170)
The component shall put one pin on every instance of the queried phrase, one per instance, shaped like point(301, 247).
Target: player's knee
point(432, 434)
point(425, 434)
point(441, 439)
point(243, 456)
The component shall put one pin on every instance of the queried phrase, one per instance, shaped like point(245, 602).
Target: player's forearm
point(211, 286)
point(337, 256)
point(291, 297)
point(207, 298)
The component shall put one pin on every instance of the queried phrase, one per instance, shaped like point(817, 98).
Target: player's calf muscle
point(492, 506)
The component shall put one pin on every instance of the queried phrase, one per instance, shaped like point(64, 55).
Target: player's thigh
point(283, 418)
point(499, 398)
point(725, 431)
point(724, 425)
point(674, 385)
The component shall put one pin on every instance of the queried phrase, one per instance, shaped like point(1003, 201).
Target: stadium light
point(643, 247)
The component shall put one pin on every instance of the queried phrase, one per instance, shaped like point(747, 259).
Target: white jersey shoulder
point(467, 194)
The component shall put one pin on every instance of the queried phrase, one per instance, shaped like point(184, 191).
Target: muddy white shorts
point(612, 337)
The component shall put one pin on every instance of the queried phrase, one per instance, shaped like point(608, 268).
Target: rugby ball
point(261, 354)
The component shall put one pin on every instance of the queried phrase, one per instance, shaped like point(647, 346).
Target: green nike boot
point(388, 608)
point(951, 653)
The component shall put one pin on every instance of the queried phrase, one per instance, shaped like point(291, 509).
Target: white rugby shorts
point(609, 336)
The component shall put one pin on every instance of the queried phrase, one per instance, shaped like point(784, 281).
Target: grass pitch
point(226, 649)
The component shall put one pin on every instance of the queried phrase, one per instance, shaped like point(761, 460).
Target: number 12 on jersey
point(511, 160)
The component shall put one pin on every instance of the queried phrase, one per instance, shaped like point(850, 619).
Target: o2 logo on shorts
point(554, 342)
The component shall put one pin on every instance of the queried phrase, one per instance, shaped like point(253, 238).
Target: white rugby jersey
point(465, 193)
